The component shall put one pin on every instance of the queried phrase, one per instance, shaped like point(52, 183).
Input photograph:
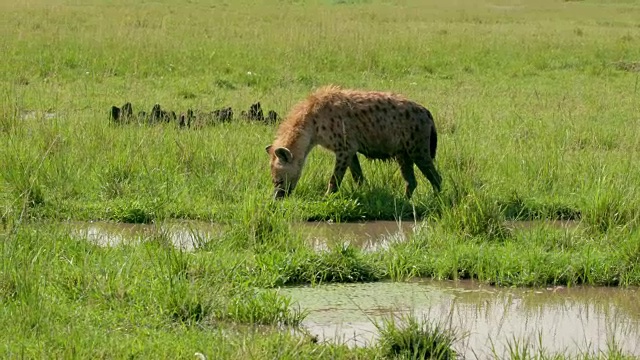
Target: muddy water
point(561, 320)
point(375, 235)
point(187, 235)
point(368, 236)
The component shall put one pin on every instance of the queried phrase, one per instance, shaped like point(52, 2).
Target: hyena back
point(379, 125)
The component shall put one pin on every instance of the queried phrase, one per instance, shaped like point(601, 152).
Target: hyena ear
point(267, 148)
point(284, 154)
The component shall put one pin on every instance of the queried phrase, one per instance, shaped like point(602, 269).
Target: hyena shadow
point(382, 203)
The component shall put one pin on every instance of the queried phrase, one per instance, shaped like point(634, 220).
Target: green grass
point(536, 104)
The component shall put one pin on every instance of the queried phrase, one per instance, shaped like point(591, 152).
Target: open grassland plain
point(537, 106)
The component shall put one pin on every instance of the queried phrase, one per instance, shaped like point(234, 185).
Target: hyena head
point(285, 170)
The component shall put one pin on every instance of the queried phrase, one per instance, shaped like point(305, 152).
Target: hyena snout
point(280, 193)
point(282, 189)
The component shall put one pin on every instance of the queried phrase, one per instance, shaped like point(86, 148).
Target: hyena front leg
point(356, 170)
point(343, 161)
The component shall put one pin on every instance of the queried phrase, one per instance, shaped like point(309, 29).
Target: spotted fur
point(378, 125)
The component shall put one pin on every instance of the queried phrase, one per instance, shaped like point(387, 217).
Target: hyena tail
point(433, 144)
point(433, 136)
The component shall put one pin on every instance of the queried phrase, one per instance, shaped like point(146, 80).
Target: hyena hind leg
point(406, 168)
point(426, 166)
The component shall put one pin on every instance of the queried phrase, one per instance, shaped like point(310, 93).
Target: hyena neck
point(300, 143)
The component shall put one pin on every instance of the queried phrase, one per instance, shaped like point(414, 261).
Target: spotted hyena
point(379, 125)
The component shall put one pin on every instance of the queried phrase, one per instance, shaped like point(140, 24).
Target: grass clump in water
point(134, 212)
point(251, 306)
point(410, 338)
point(341, 264)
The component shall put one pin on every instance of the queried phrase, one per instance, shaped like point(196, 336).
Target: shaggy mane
point(295, 124)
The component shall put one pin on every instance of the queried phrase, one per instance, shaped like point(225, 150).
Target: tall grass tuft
point(474, 214)
point(262, 225)
point(609, 210)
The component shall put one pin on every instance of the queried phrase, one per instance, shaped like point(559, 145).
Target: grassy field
point(537, 104)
